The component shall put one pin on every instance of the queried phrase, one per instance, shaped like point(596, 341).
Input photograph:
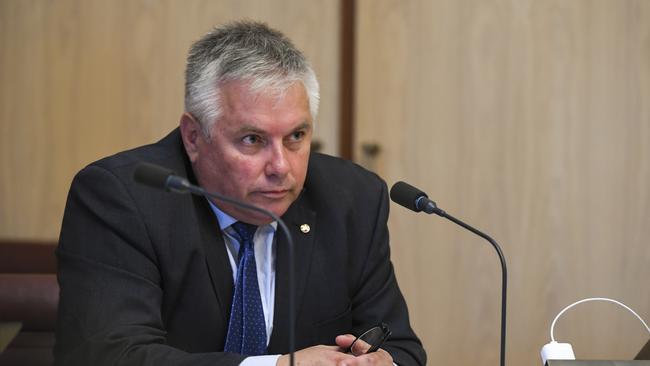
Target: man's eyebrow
point(250, 128)
point(246, 128)
point(303, 126)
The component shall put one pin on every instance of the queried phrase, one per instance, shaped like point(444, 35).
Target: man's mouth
point(274, 193)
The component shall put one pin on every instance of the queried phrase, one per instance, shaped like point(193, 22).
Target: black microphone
point(162, 178)
point(158, 177)
point(414, 199)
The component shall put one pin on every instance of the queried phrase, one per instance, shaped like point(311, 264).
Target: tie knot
point(245, 231)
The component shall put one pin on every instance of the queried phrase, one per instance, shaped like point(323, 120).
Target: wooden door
point(529, 119)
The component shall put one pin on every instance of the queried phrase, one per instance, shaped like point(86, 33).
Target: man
point(152, 278)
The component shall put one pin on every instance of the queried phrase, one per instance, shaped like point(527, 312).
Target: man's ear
point(191, 134)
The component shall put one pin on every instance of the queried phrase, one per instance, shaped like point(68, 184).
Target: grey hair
point(243, 51)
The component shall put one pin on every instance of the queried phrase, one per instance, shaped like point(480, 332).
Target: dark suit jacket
point(145, 277)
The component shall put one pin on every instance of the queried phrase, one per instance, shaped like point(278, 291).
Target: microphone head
point(152, 175)
point(406, 195)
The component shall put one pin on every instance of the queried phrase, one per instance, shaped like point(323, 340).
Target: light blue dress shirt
point(264, 244)
point(265, 260)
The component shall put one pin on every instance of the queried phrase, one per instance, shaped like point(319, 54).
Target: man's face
point(257, 151)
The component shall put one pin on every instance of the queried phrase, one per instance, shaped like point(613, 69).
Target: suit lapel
point(296, 217)
point(216, 256)
point(210, 235)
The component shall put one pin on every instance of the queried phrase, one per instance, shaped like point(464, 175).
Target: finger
point(317, 355)
point(345, 340)
point(379, 358)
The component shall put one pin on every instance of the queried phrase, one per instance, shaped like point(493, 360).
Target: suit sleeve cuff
point(267, 360)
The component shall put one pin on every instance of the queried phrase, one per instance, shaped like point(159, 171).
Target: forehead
point(236, 94)
point(266, 107)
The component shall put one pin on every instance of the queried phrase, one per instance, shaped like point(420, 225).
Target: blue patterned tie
point(247, 328)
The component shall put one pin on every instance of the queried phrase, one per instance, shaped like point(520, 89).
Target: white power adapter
point(557, 351)
point(564, 351)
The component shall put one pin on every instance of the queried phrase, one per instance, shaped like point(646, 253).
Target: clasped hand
point(337, 356)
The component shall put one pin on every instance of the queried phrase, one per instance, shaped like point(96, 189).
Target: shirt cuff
point(266, 360)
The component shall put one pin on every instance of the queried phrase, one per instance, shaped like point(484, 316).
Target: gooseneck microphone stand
point(158, 177)
point(504, 278)
point(416, 200)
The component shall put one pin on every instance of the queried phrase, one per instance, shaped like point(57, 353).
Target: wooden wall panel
point(531, 120)
point(82, 79)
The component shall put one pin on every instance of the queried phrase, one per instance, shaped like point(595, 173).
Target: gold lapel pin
point(305, 228)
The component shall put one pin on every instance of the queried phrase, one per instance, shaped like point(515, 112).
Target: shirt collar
point(226, 220)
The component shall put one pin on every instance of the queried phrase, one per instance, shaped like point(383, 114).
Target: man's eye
point(297, 136)
point(251, 139)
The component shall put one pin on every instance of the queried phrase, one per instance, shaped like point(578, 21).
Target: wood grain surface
point(82, 79)
point(529, 119)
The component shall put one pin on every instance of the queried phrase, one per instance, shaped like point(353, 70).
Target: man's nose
point(277, 164)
